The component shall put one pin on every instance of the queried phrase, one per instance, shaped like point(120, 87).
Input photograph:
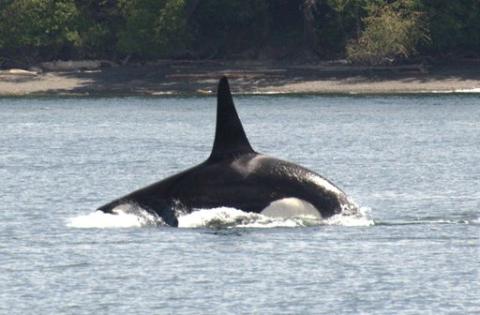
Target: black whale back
point(235, 176)
point(230, 138)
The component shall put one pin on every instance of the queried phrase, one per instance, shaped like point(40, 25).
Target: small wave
point(123, 216)
point(472, 90)
point(225, 217)
point(360, 218)
point(426, 222)
point(130, 215)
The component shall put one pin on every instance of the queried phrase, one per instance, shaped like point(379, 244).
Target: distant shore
point(200, 78)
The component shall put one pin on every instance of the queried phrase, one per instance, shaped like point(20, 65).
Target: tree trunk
point(309, 36)
point(190, 8)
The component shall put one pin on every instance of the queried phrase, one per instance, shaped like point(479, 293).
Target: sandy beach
point(193, 78)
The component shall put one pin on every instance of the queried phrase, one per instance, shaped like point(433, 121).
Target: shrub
point(152, 28)
point(171, 27)
point(391, 33)
point(39, 28)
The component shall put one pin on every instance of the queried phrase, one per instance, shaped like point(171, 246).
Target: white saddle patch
point(290, 207)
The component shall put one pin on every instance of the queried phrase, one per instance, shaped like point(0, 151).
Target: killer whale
point(236, 176)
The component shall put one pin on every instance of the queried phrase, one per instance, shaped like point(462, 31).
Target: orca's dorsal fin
point(230, 138)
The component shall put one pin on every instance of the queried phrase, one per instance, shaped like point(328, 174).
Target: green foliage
point(42, 28)
point(222, 28)
point(137, 34)
point(454, 26)
point(392, 32)
point(152, 28)
point(171, 27)
point(98, 26)
point(366, 31)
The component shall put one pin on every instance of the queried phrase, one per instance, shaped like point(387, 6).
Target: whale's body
point(236, 176)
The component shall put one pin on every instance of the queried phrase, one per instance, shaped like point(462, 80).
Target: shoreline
point(171, 78)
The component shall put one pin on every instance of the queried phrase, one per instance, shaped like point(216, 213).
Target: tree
point(392, 32)
point(171, 28)
point(454, 27)
point(152, 28)
point(366, 31)
point(98, 25)
point(34, 29)
point(226, 28)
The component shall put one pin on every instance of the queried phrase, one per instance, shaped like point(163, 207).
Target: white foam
point(268, 92)
point(132, 216)
point(360, 218)
point(472, 90)
point(225, 217)
point(216, 217)
point(123, 216)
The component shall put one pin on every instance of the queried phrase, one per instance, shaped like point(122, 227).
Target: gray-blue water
point(413, 161)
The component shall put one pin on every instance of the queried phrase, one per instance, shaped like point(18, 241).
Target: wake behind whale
point(235, 176)
point(131, 216)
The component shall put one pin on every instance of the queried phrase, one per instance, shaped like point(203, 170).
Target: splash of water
point(123, 216)
point(130, 216)
point(224, 217)
point(361, 217)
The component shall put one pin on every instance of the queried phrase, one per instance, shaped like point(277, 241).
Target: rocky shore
point(193, 78)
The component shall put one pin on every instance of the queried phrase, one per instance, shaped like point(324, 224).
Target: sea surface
point(410, 162)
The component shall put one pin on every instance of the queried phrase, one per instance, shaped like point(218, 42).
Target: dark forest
point(360, 31)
